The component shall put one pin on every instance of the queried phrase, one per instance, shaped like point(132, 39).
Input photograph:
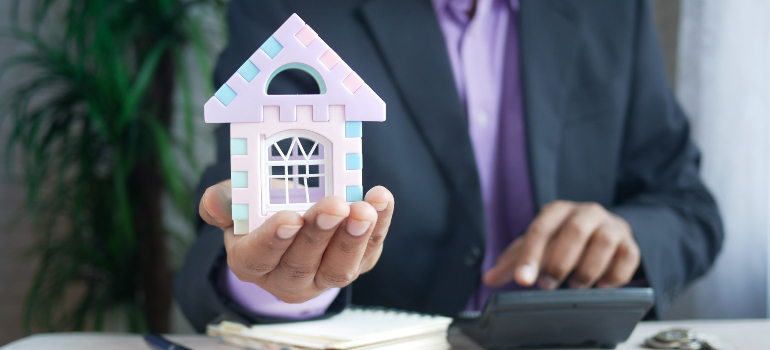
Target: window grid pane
point(295, 168)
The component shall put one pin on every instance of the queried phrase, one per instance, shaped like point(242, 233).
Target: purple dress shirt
point(257, 300)
point(484, 54)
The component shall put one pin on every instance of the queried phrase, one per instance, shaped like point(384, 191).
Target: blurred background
point(103, 140)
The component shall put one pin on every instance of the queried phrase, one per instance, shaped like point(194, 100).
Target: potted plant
point(91, 129)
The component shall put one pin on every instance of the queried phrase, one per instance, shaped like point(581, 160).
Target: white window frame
point(266, 164)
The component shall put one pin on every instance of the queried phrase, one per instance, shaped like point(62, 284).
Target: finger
point(569, 243)
point(300, 262)
point(505, 270)
point(596, 258)
point(521, 261)
point(254, 255)
point(215, 207)
point(624, 264)
point(382, 201)
point(342, 260)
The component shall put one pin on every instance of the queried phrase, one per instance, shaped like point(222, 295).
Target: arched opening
point(295, 79)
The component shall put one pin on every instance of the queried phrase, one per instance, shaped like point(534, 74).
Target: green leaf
point(187, 111)
point(168, 163)
point(142, 81)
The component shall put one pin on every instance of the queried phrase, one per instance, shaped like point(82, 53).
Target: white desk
point(744, 334)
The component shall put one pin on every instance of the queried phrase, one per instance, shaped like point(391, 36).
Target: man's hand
point(565, 237)
point(296, 258)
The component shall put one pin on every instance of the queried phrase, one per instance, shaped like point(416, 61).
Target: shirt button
point(482, 118)
point(472, 256)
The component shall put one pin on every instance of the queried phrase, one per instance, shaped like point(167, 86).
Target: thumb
point(216, 205)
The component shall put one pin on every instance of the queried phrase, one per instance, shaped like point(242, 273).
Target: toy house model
point(289, 151)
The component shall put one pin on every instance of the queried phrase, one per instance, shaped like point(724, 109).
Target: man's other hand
point(596, 246)
point(296, 258)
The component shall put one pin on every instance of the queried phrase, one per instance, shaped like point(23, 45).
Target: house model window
point(296, 170)
point(289, 151)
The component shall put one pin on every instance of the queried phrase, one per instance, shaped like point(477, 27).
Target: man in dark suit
point(532, 143)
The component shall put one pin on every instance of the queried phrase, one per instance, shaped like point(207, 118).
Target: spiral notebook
point(352, 329)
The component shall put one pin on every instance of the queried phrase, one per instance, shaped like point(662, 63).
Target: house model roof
point(293, 46)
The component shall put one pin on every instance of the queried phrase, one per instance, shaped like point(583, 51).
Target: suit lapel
point(412, 45)
point(548, 31)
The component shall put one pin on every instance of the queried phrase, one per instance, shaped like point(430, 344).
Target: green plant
point(91, 123)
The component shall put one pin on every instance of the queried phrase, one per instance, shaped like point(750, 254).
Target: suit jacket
point(602, 125)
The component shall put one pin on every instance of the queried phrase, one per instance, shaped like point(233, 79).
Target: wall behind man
point(666, 16)
point(718, 58)
point(15, 234)
point(723, 83)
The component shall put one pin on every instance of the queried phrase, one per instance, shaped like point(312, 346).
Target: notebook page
point(351, 328)
point(435, 341)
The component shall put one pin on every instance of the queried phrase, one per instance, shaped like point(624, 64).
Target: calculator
point(569, 318)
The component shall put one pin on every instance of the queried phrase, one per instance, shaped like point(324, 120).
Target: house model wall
point(289, 151)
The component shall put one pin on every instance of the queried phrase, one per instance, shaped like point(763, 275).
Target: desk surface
point(744, 334)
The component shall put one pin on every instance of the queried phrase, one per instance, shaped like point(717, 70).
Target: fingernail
point(603, 285)
point(327, 222)
point(547, 282)
point(380, 206)
point(357, 228)
point(287, 231)
point(528, 273)
point(573, 284)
